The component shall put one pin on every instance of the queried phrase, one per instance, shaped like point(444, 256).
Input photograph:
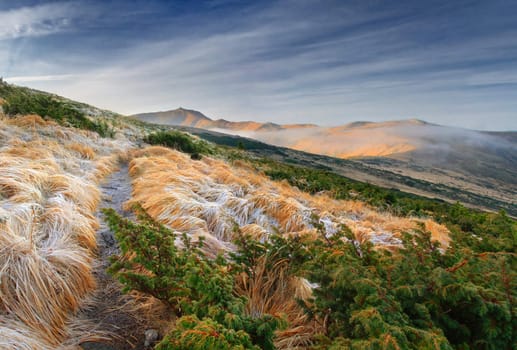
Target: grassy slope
point(369, 297)
point(362, 171)
point(48, 193)
point(498, 231)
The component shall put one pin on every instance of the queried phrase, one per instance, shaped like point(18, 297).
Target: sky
point(292, 61)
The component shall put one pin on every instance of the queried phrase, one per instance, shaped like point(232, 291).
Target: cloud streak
point(36, 20)
point(36, 78)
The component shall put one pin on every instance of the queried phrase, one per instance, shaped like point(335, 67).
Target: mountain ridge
point(393, 138)
point(189, 117)
point(183, 116)
point(480, 162)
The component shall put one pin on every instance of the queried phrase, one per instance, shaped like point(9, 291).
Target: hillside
point(384, 172)
point(192, 118)
point(119, 234)
point(178, 116)
point(356, 139)
point(411, 155)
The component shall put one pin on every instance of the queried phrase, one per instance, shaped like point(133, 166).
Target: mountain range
point(356, 139)
point(484, 163)
point(189, 117)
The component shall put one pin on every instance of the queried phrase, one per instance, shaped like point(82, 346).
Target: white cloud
point(36, 20)
point(34, 78)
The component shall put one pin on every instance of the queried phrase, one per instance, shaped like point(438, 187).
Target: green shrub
point(20, 100)
point(180, 141)
point(196, 156)
point(192, 334)
point(189, 283)
point(419, 297)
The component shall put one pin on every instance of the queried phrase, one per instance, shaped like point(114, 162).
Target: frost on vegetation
point(48, 195)
point(210, 198)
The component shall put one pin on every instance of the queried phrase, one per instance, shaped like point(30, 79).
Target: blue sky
point(325, 62)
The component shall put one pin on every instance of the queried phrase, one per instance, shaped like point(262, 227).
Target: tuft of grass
point(47, 237)
point(85, 151)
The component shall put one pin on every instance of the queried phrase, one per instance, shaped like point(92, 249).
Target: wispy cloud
point(292, 61)
point(37, 78)
point(36, 20)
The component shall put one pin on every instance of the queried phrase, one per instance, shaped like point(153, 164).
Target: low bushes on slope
point(417, 295)
point(206, 199)
point(416, 298)
point(362, 298)
point(180, 141)
point(19, 100)
point(198, 290)
point(466, 293)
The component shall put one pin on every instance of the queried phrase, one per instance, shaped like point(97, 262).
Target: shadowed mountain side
point(178, 116)
point(387, 172)
point(483, 163)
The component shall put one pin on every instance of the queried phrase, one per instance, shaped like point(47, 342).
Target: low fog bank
point(439, 141)
point(474, 154)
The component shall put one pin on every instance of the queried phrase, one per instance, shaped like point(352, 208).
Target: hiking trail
point(107, 310)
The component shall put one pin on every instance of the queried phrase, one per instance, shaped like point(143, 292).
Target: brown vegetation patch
point(48, 195)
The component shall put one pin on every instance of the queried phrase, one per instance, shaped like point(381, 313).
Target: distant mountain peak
point(179, 116)
point(189, 117)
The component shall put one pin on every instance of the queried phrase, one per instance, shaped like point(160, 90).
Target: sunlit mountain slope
point(481, 163)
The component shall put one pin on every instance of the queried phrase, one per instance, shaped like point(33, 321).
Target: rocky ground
point(126, 329)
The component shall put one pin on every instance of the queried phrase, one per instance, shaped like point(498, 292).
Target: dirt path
point(108, 309)
point(116, 190)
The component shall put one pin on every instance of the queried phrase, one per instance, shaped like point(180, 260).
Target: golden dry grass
point(30, 120)
point(48, 195)
point(272, 291)
point(209, 198)
point(439, 233)
point(83, 150)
